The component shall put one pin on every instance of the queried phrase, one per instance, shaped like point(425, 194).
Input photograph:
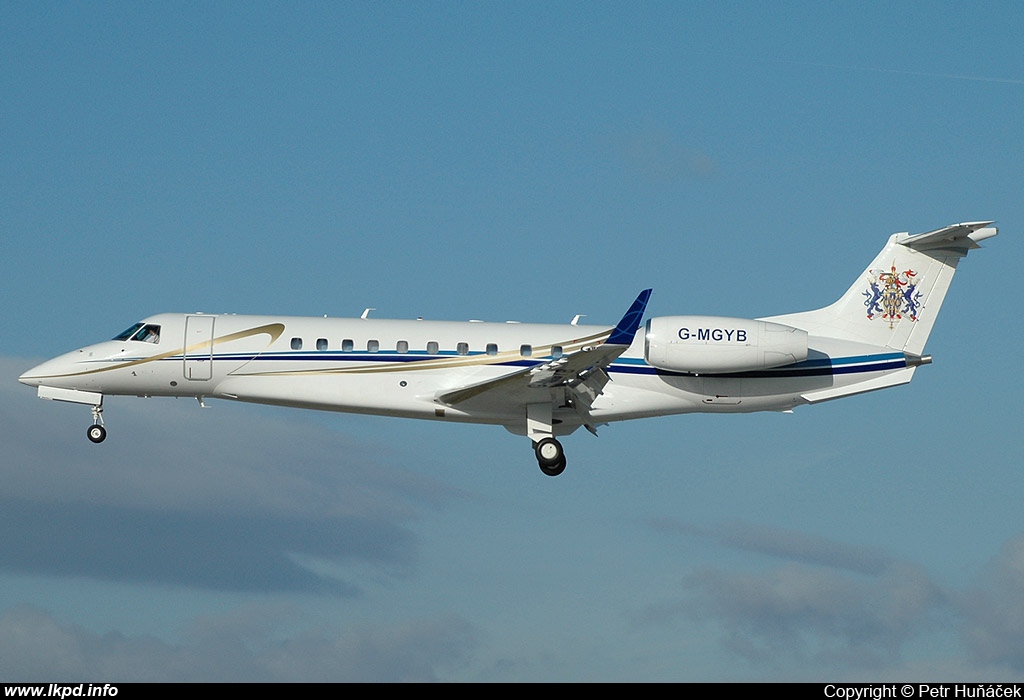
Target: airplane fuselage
point(538, 380)
point(398, 368)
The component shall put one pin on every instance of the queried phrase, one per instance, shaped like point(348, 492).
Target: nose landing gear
point(97, 433)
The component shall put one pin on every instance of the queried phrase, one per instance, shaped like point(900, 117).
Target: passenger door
point(198, 347)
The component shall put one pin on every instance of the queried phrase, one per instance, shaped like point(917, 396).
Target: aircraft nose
point(48, 372)
point(32, 377)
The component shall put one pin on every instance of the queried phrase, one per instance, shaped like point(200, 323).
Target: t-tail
point(895, 301)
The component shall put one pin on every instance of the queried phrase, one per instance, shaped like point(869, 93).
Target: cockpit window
point(128, 332)
point(149, 334)
point(142, 332)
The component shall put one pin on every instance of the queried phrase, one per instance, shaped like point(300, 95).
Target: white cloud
point(256, 644)
point(222, 498)
point(993, 609)
point(856, 610)
point(782, 543)
point(800, 613)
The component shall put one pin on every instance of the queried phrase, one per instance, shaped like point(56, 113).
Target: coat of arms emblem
point(892, 295)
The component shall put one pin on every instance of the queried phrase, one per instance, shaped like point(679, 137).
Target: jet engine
point(718, 344)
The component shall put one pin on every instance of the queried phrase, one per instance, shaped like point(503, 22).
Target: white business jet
point(538, 380)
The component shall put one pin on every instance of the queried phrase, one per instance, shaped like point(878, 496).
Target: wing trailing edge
point(581, 371)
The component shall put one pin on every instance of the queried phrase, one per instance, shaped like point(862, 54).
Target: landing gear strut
point(550, 455)
point(97, 433)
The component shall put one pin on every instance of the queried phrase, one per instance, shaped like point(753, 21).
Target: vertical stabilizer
point(895, 301)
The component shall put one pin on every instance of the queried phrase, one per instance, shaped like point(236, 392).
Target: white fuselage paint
point(398, 368)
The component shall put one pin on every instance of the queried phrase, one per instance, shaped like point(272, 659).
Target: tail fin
point(896, 299)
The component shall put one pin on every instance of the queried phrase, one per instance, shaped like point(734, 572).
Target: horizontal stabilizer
point(895, 301)
point(957, 237)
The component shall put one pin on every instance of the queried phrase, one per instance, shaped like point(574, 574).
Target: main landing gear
point(539, 423)
point(97, 433)
point(550, 456)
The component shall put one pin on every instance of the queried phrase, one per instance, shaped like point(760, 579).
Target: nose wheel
point(97, 433)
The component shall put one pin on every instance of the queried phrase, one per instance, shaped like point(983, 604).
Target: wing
point(582, 373)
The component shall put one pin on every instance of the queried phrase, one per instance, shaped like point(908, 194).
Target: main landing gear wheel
point(550, 456)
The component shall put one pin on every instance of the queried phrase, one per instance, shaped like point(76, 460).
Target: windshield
point(128, 332)
point(143, 332)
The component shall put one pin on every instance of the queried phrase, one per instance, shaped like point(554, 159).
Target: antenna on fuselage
point(576, 319)
point(366, 312)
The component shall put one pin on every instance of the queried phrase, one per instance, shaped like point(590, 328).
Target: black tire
point(97, 433)
point(550, 456)
point(554, 469)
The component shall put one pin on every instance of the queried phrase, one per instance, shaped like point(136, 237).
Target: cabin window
point(347, 345)
point(372, 345)
point(432, 347)
point(402, 347)
point(556, 351)
point(492, 348)
point(462, 348)
point(296, 343)
point(321, 343)
point(525, 350)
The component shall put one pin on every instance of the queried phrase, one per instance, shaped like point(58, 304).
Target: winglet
point(630, 323)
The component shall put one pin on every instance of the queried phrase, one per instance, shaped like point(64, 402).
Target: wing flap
point(582, 372)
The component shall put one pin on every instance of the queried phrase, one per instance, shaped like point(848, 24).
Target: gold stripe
point(274, 330)
point(568, 347)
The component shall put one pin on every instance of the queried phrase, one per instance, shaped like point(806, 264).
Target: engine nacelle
point(713, 344)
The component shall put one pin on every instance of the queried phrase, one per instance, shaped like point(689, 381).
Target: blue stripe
point(808, 368)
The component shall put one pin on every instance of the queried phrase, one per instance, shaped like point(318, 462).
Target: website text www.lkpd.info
point(60, 690)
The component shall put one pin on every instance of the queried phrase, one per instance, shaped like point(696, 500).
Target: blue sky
point(527, 161)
